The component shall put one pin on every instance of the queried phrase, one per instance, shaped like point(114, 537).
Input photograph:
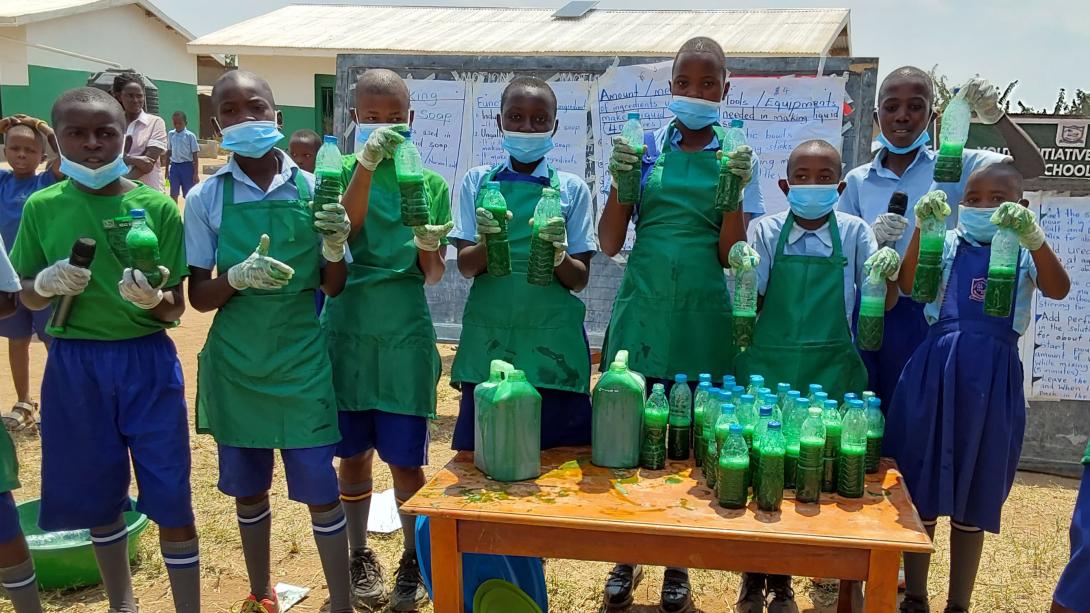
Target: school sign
point(1064, 141)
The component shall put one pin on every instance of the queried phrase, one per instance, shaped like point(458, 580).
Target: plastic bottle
point(759, 430)
point(756, 382)
point(769, 489)
point(769, 399)
point(876, 431)
point(853, 452)
point(811, 461)
point(952, 139)
point(728, 383)
point(728, 193)
point(814, 388)
point(833, 427)
point(512, 445)
point(847, 399)
point(628, 184)
point(792, 432)
point(681, 421)
point(1002, 264)
point(872, 312)
point(925, 287)
point(731, 486)
point(744, 301)
point(484, 406)
point(701, 399)
point(327, 174)
point(781, 394)
point(539, 268)
point(410, 180)
point(497, 247)
point(719, 434)
point(789, 404)
point(617, 416)
point(143, 248)
point(656, 414)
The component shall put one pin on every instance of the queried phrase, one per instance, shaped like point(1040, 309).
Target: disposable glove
point(428, 237)
point(623, 159)
point(1023, 222)
point(332, 222)
point(741, 162)
point(885, 262)
point(932, 205)
point(379, 146)
point(742, 257)
point(983, 98)
point(62, 279)
point(135, 288)
point(259, 271)
point(889, 228)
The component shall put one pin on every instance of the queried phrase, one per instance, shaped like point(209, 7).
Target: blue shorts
point(181, 178)
point(1073, 590)
point(9, 519)
point(104, 402)
point(247, 471)
point(401, 440)
point(565, 419)
point(25, 323)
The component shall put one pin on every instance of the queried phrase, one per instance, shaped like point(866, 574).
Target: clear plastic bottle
point(327, 174)
point(781, 394)
point(876, 431)
point(701, 400)
point(731, 488)
point(497, 246)
point(814, 388)
point(1002, 266)
point(792, 433)
point(925, 287)
point(744, 306)
point(847, 399)
point(852, 475)
point(681, 420)
point(656, 414)
point(539, 267)
point(872, 313)
point(617, 416)
point(728, 383)
point(833, 428)
point(728, 193)
point(756, 382)
point(769, 489)
point(955, 133)
point(628, 185)
point(810, 467)
point(764, 418)
point(410, 180)
point(719, 432)
point(143, 248)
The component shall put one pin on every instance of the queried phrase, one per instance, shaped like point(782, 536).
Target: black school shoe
point(912, 604)
point(780, 596)
point(409, 592)
point(751, 595)
point(622, 581)
point(368, 586)
point(676, 592)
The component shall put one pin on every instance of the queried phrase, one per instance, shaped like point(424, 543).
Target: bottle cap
point(329, 138)
point(773, 425)
point(705, 385)
point(736, 428)
point(874, 402)
point(136, 213)
point(758, 379)
point(855, 404)
point(850, 396)
point(830, 404)
point(704, 377)
point(516, 375)
point(794, 394)
point(633, 115)
point(736, 123)
point(658, 387)
point(737, 390)
point(728, 381)
point(680, 378)
point(802, 403)
point(766, 411)
point(748, 398)
point(492, 185)
point(820, 397)
point(815, 411)
point(815, 387)
point(764, 390)
point(783, 388)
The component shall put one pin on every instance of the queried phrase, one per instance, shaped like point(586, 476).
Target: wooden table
point(576, 510)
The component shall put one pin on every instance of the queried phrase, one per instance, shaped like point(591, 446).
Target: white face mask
point(95, 178)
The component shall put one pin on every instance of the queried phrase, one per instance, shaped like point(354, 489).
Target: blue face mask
point(251, 139)
point(920, 141)
point(812, 201)
point(527, 147)
point(364, 130)
point(694, 113)
point(95, 178)
point(977, 223)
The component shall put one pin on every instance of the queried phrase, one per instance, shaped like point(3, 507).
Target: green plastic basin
point(65, 559)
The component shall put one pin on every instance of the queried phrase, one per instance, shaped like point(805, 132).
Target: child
point(808, 260)
point(1073, 592)
point(906, 164)
point(303, 148)
point(146, 134)
point(184, 153)
point(507, 317)
point(264, 380)
point(24, 148)
point(113, 351)
point(381, 339)
point(956, 420)
point(672, 311)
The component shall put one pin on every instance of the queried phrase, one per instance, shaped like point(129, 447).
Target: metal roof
point(14, 13)
point(326, 30)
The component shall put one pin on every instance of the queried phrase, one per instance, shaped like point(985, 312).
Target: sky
point(1042, 43)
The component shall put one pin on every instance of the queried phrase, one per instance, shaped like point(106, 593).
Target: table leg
point(850, 599)
point(882, 582)
point(446, 566)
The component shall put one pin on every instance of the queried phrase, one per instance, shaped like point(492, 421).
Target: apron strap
point(503, 174)
point(228, 190)
point(834, 233)
point(301, 186)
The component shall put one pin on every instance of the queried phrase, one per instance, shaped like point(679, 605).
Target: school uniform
point(538, 329)
point(956, 421)
point(867, 190)
point(13, 195)
point(112, 390)
point(1073, 590)
point(9, 464)
point(183, 157)
point(806, 277)
point(381, 338)
point(264, 380)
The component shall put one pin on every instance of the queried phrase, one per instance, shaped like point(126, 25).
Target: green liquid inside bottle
point(539, 267)
point(853, 472)
point(143, 248)
point(832, 454)
point(874, 453)
point(790, 466)
point(997, 296)
point(731, 487)
point(326, 191)
point(410, 181)
point(925, 287)
point(872, 317)
point(512, 439)
point(770, 482)
point(617, 416)
point(677, 446)
point(656, 413)
point(711, 463)
point(808, 474)
point(497, 246)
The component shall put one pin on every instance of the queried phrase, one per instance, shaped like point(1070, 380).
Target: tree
point(1078, 105)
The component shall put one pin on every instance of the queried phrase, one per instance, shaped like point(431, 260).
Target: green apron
point(672, 311)
point(264, 378)
point(537, 329)
point(9, 464)
point(381, 339)
point(800, 338)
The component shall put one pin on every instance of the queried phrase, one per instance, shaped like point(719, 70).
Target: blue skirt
point(956, 422)
point(1073, 591)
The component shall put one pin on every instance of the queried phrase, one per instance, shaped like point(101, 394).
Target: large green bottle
point(484, 408)
point(628, 184)
point(759, 430)
point(656, 414)
point(925, 287)
point(327, 174)
point(872, 313)
point(143, 248)
point(833, 427)
point(731, 487)
point(512, 442)
point(853, 452)
point(410, 180)
point(681, 420)
point(617, 416)
point(728, 192)
point(701, 399)
point(792, 432)
point(811, 463)
point(770, 468)
point(1002, 264)
point(539, 268)
point(497, 247)
point(876, 430)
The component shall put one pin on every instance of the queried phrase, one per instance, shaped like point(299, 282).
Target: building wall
point(292, 81)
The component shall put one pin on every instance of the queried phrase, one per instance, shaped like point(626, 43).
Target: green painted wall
point(295, 118)
point(174, 96)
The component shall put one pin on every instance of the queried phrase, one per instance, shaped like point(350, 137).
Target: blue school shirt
point(867, 188)
point(1023, 299)
point(574, 205)
point(9, 281)
point(182, 146)
point(13, 195)
point(856, 239)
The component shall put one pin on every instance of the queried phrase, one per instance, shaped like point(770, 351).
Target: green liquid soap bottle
point(952, 139)
point(700, 404)
point(514, 451)
point(853, 452)
point(833, 427)
point(327, 174)
point(484, 408)
point(811, 463)
point(770, 468)
point(143, 248)
point(728, 192)
point(539, 268)
point(410, 180)
point(764, 418)
point(925, 287)
point(792, 432)
point(744, 307)
point(497, 247)
point(731, 487)
point(628, 184)
point(719, 435)
point(656, 414)
point(681, 420)
point(1002, 264)
point(872, 313)
point(617, 416)
point(756, 382)
point(876, 431)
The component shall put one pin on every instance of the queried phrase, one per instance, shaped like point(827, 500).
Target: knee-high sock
point(966, 545)
point(332, 542)
point(255, 527)
point(356, 500)
point(111, 546)
point(916, 566)
point(21, 584)
point(408, 522)
point(183, 562)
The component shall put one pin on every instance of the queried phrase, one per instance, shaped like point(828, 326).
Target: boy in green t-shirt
point(113, 384)
point(381, 340)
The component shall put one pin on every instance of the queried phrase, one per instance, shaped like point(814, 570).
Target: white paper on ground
point(383, 517)
point(290, 595)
